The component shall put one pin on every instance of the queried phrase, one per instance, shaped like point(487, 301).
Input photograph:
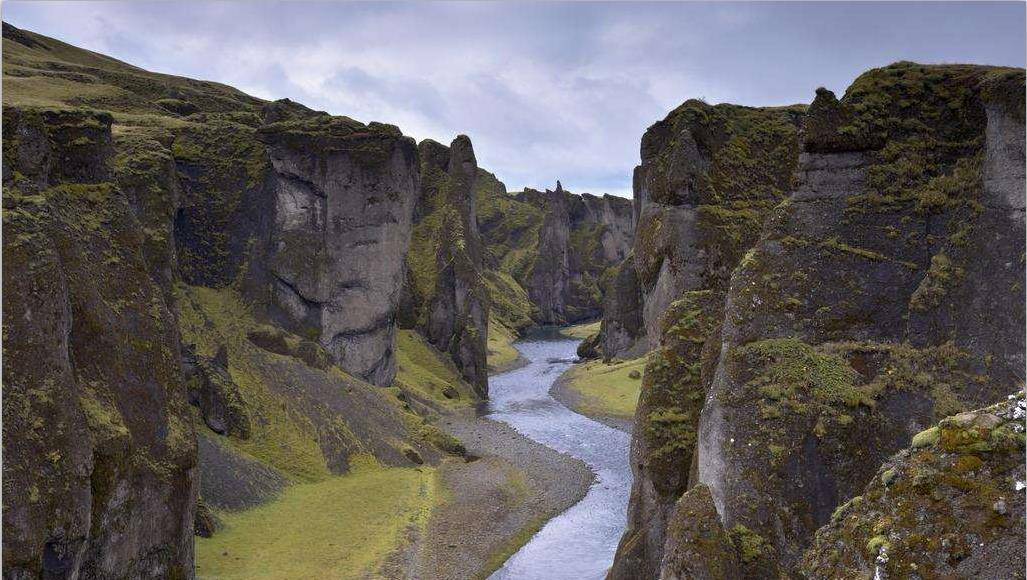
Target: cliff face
point(709, 177)
point(446, 296)
point(887, 295)
point(884, 294)
point(189, 245)
point(622, 329)
point(97, 430)
point(344, 200)
point(558, 248)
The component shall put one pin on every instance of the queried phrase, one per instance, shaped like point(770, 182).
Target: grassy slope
point(581, 331)
point(427, 372)
point(606, 390)
point(355, 521)
point(502, 355)
point(281, 438)
point(342, 527)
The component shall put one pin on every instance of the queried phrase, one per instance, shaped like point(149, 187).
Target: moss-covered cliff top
point(949, 506)
point(716, 154)
point(908, 100)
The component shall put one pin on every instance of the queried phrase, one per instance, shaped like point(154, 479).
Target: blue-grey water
point(578, 544)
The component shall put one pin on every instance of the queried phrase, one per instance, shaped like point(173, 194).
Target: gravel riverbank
point(496, 501)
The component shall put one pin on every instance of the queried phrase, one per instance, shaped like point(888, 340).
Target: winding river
point(578, 544)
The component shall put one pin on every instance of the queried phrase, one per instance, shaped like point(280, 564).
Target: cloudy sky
point(546, 91)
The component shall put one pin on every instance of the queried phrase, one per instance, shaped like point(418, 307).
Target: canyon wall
point(344, 201)
point(446, 298)
point(99, 448)
point(884, 293)
point(560, 247)
point(710, 175)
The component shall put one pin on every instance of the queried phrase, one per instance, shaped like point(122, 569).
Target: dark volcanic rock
point(211, 389)
point(698, 214)
point(232, 481)
point(580, 241)
point(589, 348)
point(445, 296)
point(206, 522)
point(622, 330)
point(345, 196)
point(698, 547)
point(886, 295)
point(99, 449)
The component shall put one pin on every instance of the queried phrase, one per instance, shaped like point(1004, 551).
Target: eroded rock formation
point(950, 505)
point(99, 448)
point(581, 239)
point(344, 201)
point(700, 208)
point(882, 295)
point(446, 296)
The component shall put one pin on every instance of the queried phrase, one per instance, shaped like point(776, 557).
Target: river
point(578, 544)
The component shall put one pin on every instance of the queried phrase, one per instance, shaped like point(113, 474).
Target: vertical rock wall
point(445, 295)
point(344, 200)
point(581, 240)
point(97, 430)
point(709, 177)
point(885, 296)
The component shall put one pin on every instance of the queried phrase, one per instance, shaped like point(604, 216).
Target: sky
point(546, 91)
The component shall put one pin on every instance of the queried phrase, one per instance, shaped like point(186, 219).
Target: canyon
point(217, 305)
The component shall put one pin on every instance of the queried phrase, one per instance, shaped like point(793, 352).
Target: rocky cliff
point(197, 283)
point(446, 296)
point(344, 200)
point(710, 176)
point(99, 448)
point(950, 505)
point(560, 247)
point(882, 294)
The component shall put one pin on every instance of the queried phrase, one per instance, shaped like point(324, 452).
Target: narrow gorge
point(248, 339)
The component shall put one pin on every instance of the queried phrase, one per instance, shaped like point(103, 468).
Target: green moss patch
point(502, 356)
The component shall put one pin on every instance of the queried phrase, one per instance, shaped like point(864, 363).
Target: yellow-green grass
point(606, 390)
point(341, 527)
point(422, 369)
point(502, 356)
point(581, 331)
point(281, 438)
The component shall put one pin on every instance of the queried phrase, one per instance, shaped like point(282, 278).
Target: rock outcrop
point(622, 329)
point(560, 247)
point(709, 177)
point(99, 448)
point(344, 201)
point(949, 506)
point(581, 239)
point(884, 294)
point(446, 296)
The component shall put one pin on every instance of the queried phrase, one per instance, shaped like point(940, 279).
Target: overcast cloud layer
point(545, 91)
